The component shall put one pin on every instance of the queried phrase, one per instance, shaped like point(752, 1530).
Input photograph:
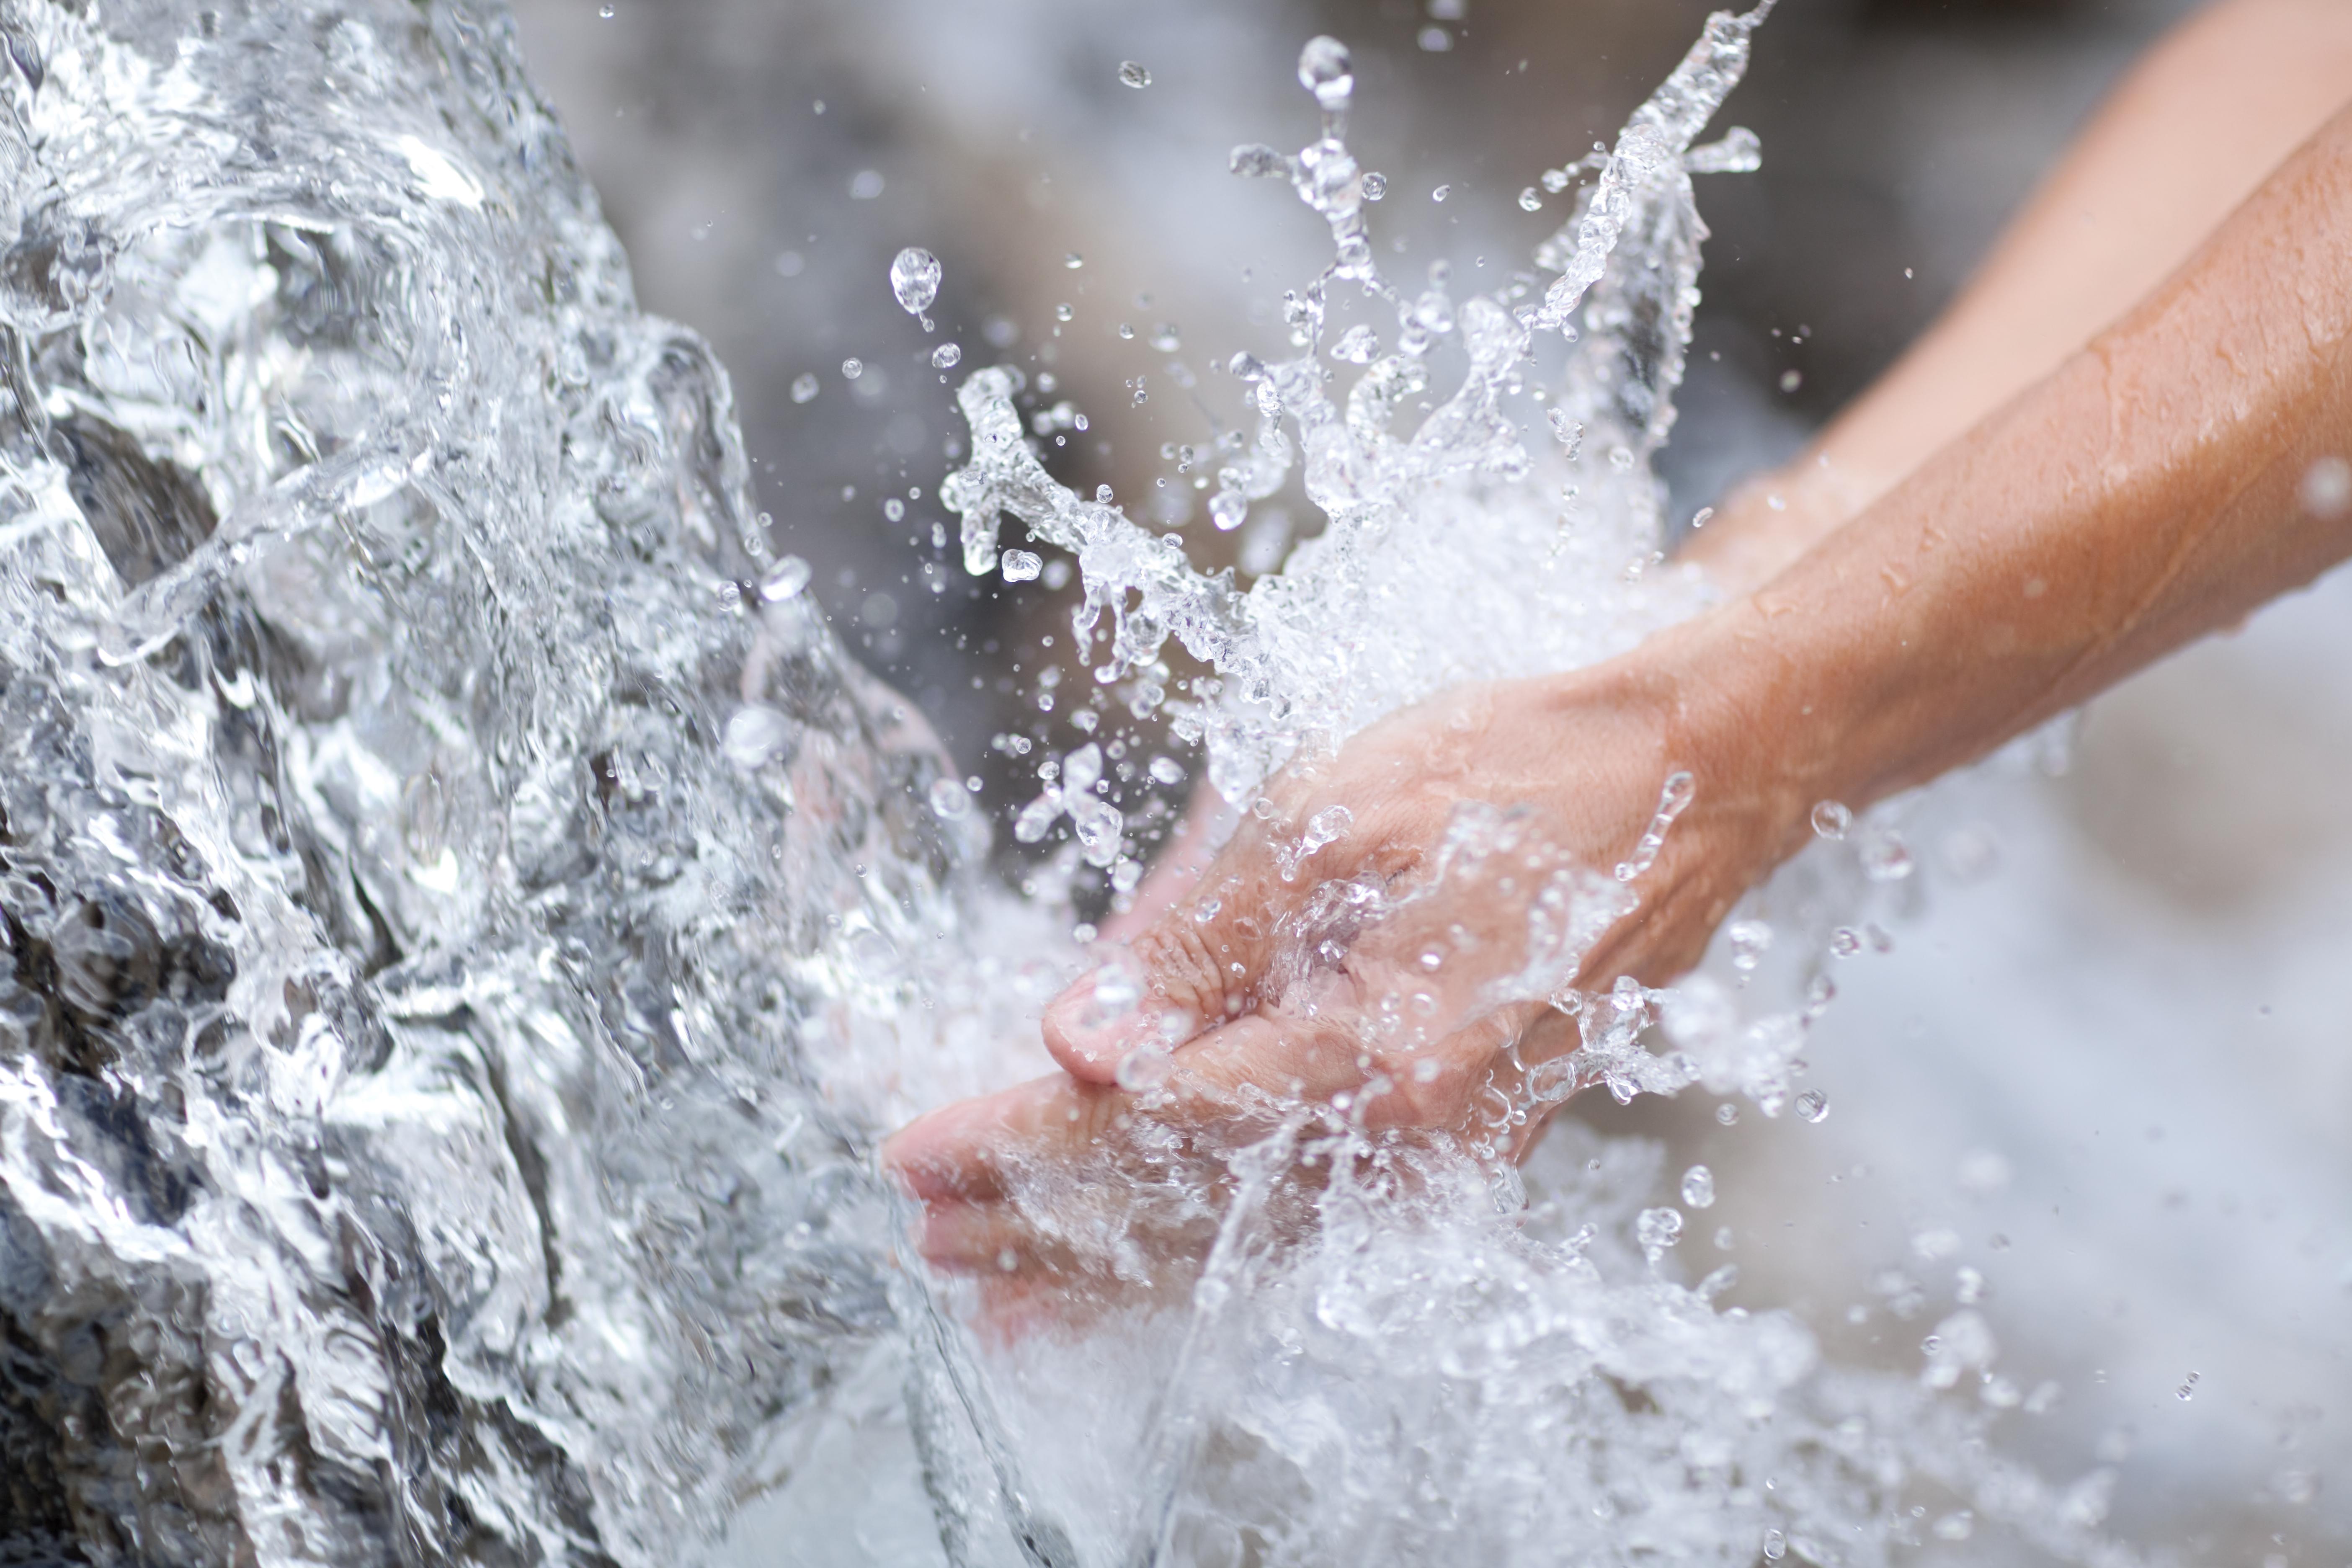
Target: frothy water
point(467, 923)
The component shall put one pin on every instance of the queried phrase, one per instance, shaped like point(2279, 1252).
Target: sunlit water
point(469, 922)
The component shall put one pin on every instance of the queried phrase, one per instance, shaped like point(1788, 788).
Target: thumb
point(1194, 968)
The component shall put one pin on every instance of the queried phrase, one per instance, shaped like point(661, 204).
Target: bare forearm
point(2187, 137)
point(2151, 490)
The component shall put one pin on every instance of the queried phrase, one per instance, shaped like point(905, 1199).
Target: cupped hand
point(1382, 943)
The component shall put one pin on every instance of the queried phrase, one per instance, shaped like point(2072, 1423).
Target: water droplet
point(1376, 185)
point(1658, 1229)
point(1776, 1545)
point(947, 356)
point(1531, 200)
point(866, 185)
point(1063, 312)
point(1206, 910)
point(1228, 510)
point(1146, 1066)
point(605, 12)
point(949, 800)
point(1845, 942)
point(1830, 820)
point(791, 575)
point(1885, 858)
point(1132, 74)
point(1325, 70)
point(1698, 1187)
point(804, 386)
point(1357, 345)
point(1441, 193)
point(1022, 566)
point(1813, 1105)
point(915, 279)
point(754, 734)
point(1726, 1114)
point(1434, 40)
point(852, 368)
point(1791, 379)
point(1750, 940)
point(2327, 488)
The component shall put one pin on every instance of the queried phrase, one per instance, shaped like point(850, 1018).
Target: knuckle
point(1181, 967)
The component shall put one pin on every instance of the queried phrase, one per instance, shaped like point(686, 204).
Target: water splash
point(466, 920)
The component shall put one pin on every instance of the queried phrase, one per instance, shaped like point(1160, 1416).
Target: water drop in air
point(915, 279)
point(947, 356)
point(1813, 1105)
point(1441, 193)
point(1698, 1187)
point(1132, 74)
point(1831, 819)
point(804, 387)
point(1531, 200)
point(852, 368)
point(1325, 70)
point(1376, 185)
point(1022, 566)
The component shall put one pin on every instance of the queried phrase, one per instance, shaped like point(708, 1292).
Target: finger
point(959, 1152)
point(1208, 822)
point(1191, 969)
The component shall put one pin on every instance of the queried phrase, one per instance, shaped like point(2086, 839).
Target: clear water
point(467, 923)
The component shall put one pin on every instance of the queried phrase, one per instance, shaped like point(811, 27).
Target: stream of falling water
point(467, 923)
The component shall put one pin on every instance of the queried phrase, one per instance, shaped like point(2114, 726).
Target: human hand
point(1378, 946)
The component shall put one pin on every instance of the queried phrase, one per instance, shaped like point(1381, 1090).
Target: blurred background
point(2103, 1081)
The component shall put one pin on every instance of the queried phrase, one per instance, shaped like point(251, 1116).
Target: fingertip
point(1074, 1037)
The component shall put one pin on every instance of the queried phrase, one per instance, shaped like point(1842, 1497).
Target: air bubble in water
point(947, 356)
point(1698, 1187)
point(915, 279)
point(1831, 819)
point(1325, 70)
point(1813, 1105)
point(1132, 74)
point(1022, 566)
point(804, 386)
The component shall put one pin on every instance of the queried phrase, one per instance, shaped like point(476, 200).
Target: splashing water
point(467, 921)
